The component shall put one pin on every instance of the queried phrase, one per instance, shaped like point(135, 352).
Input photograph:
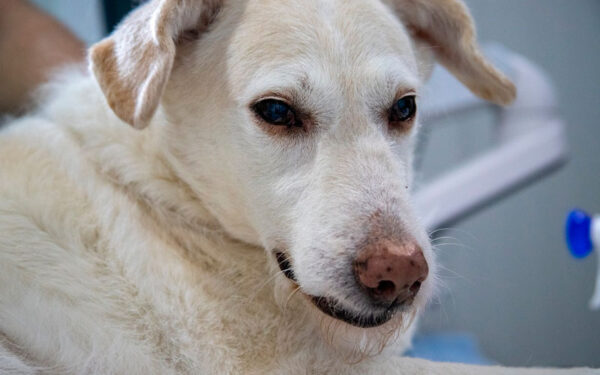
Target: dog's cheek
point(273, 190)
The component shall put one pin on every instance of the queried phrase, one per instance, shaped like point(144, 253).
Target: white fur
point(143, 251)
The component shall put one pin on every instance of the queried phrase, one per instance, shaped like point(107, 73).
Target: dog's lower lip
point(329, 307)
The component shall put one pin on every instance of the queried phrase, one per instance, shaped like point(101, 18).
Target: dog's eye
point(276, 112)
point(403, 110)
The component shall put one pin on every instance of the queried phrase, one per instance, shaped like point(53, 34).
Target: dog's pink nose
point(391, 272)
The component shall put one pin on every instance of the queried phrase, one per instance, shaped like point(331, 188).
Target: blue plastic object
point(578, 233)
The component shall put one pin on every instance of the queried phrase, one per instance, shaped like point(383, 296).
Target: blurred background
point(510, 279)
point(510, 284)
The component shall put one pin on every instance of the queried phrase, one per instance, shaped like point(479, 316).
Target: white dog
point(265, 135)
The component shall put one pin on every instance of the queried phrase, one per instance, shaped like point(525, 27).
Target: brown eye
point(403, 110)
point(276, 112)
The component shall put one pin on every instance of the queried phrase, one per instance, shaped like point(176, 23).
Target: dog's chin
point(335, 310)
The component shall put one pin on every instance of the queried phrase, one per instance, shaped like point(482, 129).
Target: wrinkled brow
point(295, 84)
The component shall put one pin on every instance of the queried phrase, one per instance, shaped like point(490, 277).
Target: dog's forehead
point(335, 38)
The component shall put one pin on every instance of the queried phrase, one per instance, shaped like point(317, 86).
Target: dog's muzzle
point(333, 308)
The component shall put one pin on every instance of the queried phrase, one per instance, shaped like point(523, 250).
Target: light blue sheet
point(448, 347)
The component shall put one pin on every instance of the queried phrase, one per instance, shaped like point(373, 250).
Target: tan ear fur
point(133, 64)
point(448, 28)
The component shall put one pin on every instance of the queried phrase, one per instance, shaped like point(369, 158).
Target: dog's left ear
point(134, 63)
point(447, 27)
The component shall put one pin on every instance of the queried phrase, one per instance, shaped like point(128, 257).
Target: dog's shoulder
point(39, 176)
point(86, 265)
point(63, 292)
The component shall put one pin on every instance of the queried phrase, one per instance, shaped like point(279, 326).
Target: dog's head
point(294, 121)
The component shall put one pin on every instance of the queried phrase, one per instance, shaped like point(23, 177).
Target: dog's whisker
point(453, 230)
point(454, 273)
point(446, 240)
point(442, 244)
point(264, 284)
point(296, 289)
point(457, 245)
point(444, 237)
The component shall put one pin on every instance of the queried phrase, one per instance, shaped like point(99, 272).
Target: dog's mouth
point(332, 308)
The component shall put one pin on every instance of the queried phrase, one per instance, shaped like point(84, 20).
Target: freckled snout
point(390, 272)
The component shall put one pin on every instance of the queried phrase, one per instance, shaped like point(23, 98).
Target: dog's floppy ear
point(134, 63)
point(447, 27)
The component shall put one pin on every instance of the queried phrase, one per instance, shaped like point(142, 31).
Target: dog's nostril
point(385, 288)
point(415, 287)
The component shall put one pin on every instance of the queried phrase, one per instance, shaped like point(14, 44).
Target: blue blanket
point(448, 347)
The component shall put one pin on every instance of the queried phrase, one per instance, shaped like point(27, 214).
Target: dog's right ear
point(134, 63)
